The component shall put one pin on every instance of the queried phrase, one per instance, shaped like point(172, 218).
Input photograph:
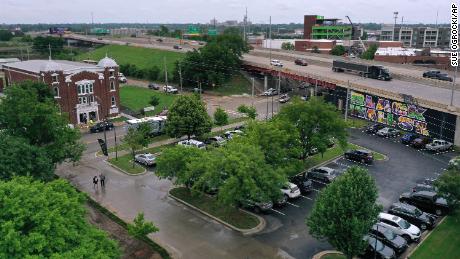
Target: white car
point(388, 132)
point(192, 143)
point(290, 190)
point(170, 89)
point(146, 159)
point(438, 145)
point(276, 63)
point(122, 78)
point(229, 134)
point(400, 226)
point(270, 92)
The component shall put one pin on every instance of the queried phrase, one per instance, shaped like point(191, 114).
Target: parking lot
point(404, 168)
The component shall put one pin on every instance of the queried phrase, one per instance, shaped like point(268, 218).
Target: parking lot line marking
point(279, 212)
point(293, 204)
point(308, 198)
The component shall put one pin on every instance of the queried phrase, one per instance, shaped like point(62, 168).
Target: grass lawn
point(209, 204)
point(125, 163)
point(444, 242)
point(136, 98)
point(141, 57)
point(122, 146)
point(119, 119)
point(238, 85)
point(353, 122)
point(333, 256)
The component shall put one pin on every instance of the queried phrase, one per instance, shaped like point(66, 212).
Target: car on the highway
point(303, 182)
point(122, 78)
point(145, 159)
point(431, 74)
point(159, 40)
point(276, 63)
point(257, 206)
point(388, 132)
point(438, 145)
point(389, 238)
point(323, 174)
point(154, 86)
point(177, 47)
point(376, 249)
point(412, 214)
point(100, 126)
point(270, 92)
point(420, 142)
point(407, 138)
point(360, 155)
point(192, 143)
point(284, 98)
point(170, 89)
point(426, 201)
point(400, 226)
point(372, 129)
point(301, 62)
point(216, 141)
point(290, 190)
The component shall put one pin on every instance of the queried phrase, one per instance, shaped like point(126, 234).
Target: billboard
point(405, 116)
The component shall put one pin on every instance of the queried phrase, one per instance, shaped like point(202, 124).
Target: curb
point(123, 171)
point(245, 232)
point(320, 254)
point(421, 242)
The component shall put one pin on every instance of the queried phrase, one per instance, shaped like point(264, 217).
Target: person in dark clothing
point(102, 178)
point(95, 181)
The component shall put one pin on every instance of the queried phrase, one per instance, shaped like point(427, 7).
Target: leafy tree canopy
point(338, 50)
point(140, 228)
point(220, 117)
point(449, 185)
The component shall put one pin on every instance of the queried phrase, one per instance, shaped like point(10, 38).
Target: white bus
point(156, 123)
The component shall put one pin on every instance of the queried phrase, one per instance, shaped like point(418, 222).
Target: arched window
point(113, 101)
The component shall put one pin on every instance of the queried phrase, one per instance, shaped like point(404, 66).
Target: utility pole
point(244, 24)
point(270, 38)
point(252, 92)
point(28, 56)
point(116, 146)
point(453, 87)
point(346, 100)
point(180, 77)
point(166, 71)
point(49, 48)
point(279, 88)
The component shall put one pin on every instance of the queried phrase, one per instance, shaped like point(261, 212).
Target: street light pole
point(453, 87)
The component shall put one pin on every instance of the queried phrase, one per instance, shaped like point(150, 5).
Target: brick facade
point(307, 45)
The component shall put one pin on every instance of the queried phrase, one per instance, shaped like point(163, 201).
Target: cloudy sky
point(188, 11)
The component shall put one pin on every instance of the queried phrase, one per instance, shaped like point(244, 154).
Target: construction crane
point(352, 28)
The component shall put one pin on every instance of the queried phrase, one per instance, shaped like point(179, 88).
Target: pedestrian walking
point(102, 178)
point(95, 181)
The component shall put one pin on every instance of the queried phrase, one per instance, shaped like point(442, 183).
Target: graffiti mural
point(408, 117)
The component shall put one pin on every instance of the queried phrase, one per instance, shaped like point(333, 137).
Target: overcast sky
point(202, 11)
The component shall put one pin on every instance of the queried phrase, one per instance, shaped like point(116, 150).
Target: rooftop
point(36, 66)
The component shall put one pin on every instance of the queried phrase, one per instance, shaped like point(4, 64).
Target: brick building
point(324, 46)
point(85, 92)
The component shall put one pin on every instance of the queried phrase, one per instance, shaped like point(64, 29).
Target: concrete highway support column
point(457, 132)
point(265, 83)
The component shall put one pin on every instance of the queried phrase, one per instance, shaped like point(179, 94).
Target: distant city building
point(433, 58)
point(317, 27)
point(83, 91)
point(322, 46)
point(417, 37)
point(126, 32)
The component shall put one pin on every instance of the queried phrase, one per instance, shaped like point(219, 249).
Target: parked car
point(177, 47)
point(421, 142)
point(376, 249)
point(270, 92)
point(388, 132)
point(122, 78)
point(215, 141)
point(301, 62)
point(290, 190)
point(170, 89)
point(284, 98)
point(424, 187)
point(362, 156)
point(229, 134)
point(389, 238)
point(372, 129)
point(439, 145)
point(192, 143)
point(399, 226)
point(431, 73)
point(444, 77)
point(413, 215)
point(323, 174)
point(407, 138)
point(303, 182)
point(276, 63)
point(154, 86)
point(257, 206)
point(100, 126)
point(426, 201)
point(145, 159)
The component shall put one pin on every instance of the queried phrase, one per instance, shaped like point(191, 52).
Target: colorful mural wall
point(408, 117)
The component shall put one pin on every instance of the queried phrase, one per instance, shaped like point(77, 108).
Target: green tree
point(172, 164)
point(338, 50)
point(28, 111)
point(287, 46)
point(140, 228)
point(154, 100)
point(48, 220)
point(152, 73)
point(43, 44)
point(137, 138)
point(220, 117)
point(250, 111)
point(370, 52)
point(316, 122)
point(19, 158)
point(315, 49)
point(5, 35)
point(345, 211)
point(449, 185)
point(164, 31)
point(188, 116)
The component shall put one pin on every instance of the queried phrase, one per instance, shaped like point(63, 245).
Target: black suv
point(257, 206)
point(413, 215)
point(362, 156)
point(389, 238)
point(376, 249)
point(426, 201)
point(432, 74)
point(98, 127)
point(305, 185)
point(372, 129)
